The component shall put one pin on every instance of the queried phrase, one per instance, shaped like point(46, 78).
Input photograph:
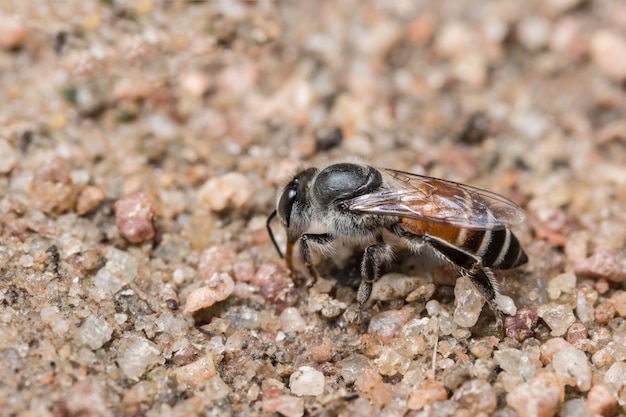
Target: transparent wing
point(437, 201)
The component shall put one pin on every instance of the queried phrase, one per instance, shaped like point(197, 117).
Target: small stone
point(522, 325)
point(271, 389)
point(378, 391)
point(390, 362)
point(137, 356)
point(551, 347)
point(556, 7)
point(608, 52)
point(216, 259)
point(94, 332)
point(477, 396)
point(562, 283)
point(186, 355)
point(422, 28)
point(51, 317)
point(572, 366)
point(506, 304)
point(534, 399)
point(243, 317)
point(483, 347)
point(433, 308)
point(132, 89)
point(162, 126)
point(554, 223)
point(216, 389)
point(286, 405)
point(422, 293)
point(322, 352)
point(604, 312)
point(237, 79)
point(54, 197)
point(121, 264)
point(134, 214)
point(468, 303)
point(472, 69)
point(604, 263)
point(257, 231)
point(198, 372)
point(9, 155)
point(615, 377)
point(243, 269)
point(602, 286)
point(388, 324)
point(576, 247)
point(360, 406)
point(557, 316)
point(84, 398)
point(603, 357)
point(568, 39)
point(619, 299)
point(454, 40)
point(585, 299)
point(428, 392)
point(26, 261)
point(307, 381)
point(517, 365)
point(275, 285)
point(88, 200)
point(576, 334)
point(576, 407)
point(600, 336)
point(12, 33)
point(233, 190)
point(243, 290)
point(291, 321)
point(600, 401)
point(533, 32)
point(394, 286)
point(352, 368)
point(196, 83)
point(218, 288)
point(290, 406)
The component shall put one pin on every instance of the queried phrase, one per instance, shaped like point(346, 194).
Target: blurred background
point(194, 113)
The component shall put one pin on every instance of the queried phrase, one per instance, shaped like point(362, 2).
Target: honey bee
point(354, 203)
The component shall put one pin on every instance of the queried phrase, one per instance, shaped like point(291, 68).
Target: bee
point(355, 203)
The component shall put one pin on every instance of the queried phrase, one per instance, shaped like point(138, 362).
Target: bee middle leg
point(305, 251)
point(374, 257)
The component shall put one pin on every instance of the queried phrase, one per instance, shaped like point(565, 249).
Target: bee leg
point(485, 281)
point(482, 277)
point(373, 258)
point(305, 239)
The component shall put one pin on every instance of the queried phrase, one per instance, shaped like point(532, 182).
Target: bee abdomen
point(499, 248)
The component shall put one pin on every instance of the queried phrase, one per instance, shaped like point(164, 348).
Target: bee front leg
point(305, 251)
point(373, 258)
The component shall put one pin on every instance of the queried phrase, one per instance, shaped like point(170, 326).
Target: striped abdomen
point(498, 248)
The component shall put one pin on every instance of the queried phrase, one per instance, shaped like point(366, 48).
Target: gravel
point(142, 145)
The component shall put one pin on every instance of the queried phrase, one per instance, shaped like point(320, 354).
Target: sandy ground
point(142, 144)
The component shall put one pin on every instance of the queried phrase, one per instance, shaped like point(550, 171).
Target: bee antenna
point(269, 232)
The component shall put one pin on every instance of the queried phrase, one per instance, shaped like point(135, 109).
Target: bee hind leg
point(481, 276)
point(485, 281)
point(305, 251)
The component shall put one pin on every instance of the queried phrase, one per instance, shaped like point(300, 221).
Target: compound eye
point(286, 202)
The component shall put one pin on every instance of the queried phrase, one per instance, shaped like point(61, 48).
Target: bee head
point(290, 207)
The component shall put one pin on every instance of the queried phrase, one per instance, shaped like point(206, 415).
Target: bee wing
point(437, 201)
